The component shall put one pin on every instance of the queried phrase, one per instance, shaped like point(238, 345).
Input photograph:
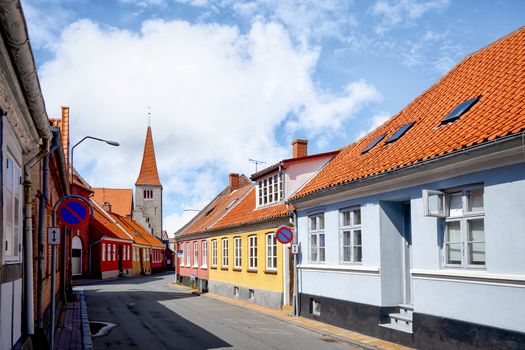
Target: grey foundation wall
point(260, 296)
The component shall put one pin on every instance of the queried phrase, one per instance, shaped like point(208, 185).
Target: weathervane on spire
point(149, 116)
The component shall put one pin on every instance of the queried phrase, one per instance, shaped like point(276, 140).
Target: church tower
point(148, 191)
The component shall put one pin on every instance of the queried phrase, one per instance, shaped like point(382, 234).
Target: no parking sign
point(284, 234)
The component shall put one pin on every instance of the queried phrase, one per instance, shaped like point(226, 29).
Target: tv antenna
point(256, 162)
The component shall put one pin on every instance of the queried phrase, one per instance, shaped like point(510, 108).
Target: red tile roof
point(149, 174)
point(106, 224)
point(246, 213)
point(140, 234)
point(120, 199)
point(496, 73)
point(215, 209)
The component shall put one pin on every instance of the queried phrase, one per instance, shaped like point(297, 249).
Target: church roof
point(149, 174)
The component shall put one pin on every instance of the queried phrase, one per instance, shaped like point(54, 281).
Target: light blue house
point(416, 233)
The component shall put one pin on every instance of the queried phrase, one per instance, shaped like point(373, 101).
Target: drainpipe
point(28, 242)
point(295, 272)
point(41, 219)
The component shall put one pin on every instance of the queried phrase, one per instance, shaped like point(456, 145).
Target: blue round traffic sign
point(284, 234)
point(73, 212)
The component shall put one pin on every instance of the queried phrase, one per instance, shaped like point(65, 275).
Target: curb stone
point(87, 343)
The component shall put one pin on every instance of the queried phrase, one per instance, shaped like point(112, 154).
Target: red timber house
point(192, 239)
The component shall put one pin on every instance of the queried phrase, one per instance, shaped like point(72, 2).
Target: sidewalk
point(319, 327)
point(72, 330)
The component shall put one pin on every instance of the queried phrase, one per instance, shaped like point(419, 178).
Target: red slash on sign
point(73, 212)
point(284, 234)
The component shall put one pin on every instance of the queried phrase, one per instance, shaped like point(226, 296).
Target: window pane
point(346, 238)
point(435, 203)
point(321, 240)
point(321, 253)
point(313, 223)
point(454, 253)
point(321, 222)
point(358, 254)
point(453, 232)
point(477, 253)
point(357, 237)
point(346, 254)
point(346, 218)
point(475, 200)
point(313, 247)
point(357, 217)
point(455, 204)
point(476, 231)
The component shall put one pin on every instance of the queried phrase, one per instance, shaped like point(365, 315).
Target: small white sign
point(295, 248)
point(53, 235)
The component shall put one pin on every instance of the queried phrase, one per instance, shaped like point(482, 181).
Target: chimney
point(234, 181)
point(300, 148)
point(106, 207)
point(65, 131)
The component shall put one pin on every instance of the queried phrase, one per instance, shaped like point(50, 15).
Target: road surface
point(151, 315)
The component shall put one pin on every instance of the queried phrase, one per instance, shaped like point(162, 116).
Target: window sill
point(204, 267)
point(225, 268)
point(346, 268)
point(237, 269)
point(213, 267)
point(252, 270)
point(270, 272)
point(195, 266)
point(469, 276)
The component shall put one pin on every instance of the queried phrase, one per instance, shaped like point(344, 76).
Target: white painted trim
point(106, 238)
point(353, 269)
point(469, 276)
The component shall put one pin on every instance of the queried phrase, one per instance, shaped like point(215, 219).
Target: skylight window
point(400, 132)
point(461, 109)
point(373, 143)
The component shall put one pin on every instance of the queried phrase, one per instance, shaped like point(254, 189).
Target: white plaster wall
point(497, 306)
point(480, 301)
point(297, 174)
point(356, 287)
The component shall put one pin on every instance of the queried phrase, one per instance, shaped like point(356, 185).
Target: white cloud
point(217, 96)
point(403, 12)
point(144, 3)
point(376, 121)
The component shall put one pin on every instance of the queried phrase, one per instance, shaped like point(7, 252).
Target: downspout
point(41, 219)
point(28, 243)
point(295, 272)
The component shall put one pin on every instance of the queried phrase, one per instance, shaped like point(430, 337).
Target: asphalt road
point(151, 315)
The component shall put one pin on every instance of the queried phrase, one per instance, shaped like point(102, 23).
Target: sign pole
point(54, 252)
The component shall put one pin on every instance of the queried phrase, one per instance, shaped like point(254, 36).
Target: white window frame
point(353, 228)
point(114, 252)
point(225, 257)
point(316, 231)
point(271, 252)
point(204, 249)
point(12, 237)
point(252, 252)
point(464, 218)
point(214, 253)
point(188, 254)
point(109, 251)
point(237, 252)
point(103, 251)
point(270, 190)
point(195, 254)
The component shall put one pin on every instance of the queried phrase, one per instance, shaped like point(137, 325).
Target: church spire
point(149, 174)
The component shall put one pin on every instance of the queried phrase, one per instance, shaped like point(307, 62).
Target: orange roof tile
point(104, 222)
point(215, 209)
point(120, 199)
point(246, 213)
point(139, 233)
point(124, 222)
point(496, 73)
point(149, 174)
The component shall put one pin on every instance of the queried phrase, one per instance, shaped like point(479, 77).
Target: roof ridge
point(110, 217)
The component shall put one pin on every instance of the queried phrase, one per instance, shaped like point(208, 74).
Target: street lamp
point(109, 142)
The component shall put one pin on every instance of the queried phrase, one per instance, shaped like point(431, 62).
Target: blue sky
point(227, 80)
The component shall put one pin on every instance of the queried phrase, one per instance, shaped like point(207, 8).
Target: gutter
point(14, 30)
point(480, 149)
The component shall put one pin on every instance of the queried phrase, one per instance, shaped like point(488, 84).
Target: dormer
point(270, 188)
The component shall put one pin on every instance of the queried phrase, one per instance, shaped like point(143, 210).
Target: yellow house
point(245, 259)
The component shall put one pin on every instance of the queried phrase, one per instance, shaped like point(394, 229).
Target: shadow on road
point(144, 320)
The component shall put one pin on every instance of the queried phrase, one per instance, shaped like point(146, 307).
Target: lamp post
point(109, 142)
